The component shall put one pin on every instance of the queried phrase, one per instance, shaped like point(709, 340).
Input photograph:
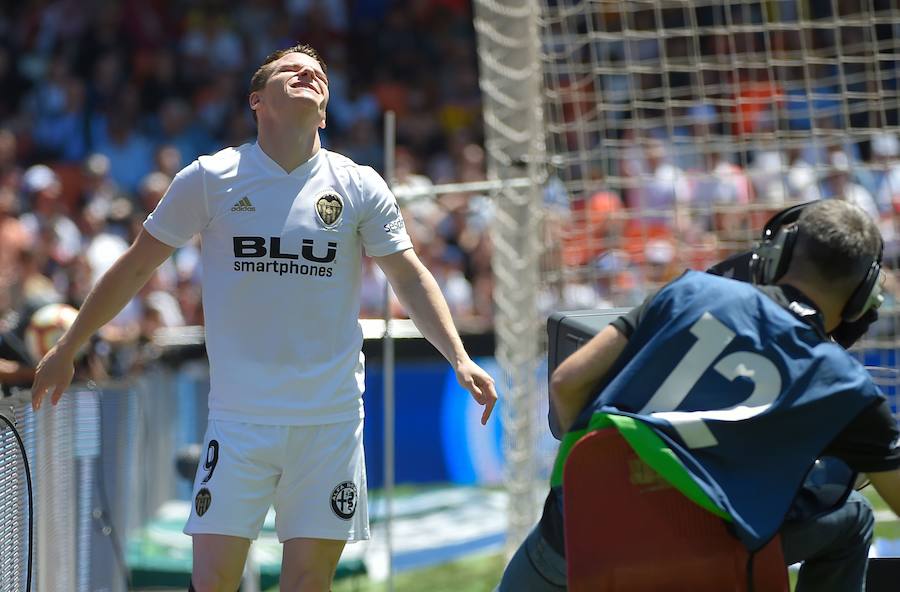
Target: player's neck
point(288, 147)
point(828, 306)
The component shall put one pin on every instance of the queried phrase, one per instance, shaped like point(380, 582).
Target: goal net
point(665, 133)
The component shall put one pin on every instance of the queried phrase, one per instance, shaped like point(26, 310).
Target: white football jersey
point(281, 257)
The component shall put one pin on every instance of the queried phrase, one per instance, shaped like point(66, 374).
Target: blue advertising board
point(438, 437)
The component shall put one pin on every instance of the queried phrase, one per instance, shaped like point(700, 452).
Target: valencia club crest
point(329, 207)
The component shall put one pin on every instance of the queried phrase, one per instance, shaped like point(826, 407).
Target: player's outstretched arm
point(421, 296)
point(574, 380)
point(112, 292)
point(887, 484)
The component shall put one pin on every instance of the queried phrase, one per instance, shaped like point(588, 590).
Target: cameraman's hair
point(837, 242)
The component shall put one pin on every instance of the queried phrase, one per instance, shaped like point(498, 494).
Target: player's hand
point(53, 375)
point(480, 384)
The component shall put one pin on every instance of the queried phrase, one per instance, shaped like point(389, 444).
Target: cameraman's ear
point(882, 279)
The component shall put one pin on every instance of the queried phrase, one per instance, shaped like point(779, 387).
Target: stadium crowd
point(105, 101)
point(700, 120)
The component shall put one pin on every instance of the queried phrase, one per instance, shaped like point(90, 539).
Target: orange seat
point(628, 530)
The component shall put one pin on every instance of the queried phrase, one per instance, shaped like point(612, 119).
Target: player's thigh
point(848, 527)
point(308, 565)
point(322, 493)
point(237, 478)
point(218, 562)
point(535, 567)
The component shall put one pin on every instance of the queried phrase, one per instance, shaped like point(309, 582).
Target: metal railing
point(90, 457)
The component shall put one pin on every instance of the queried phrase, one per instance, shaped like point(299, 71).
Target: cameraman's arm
point(887, 484)
point(574, 380)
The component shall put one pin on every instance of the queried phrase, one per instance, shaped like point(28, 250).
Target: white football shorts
point(315, 476)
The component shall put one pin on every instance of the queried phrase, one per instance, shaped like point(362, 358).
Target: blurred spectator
point(97, 187)
point(886, 155)
point(691, 142)
point(592, 229)
point(34, 288)
point(16, 367)
point(152, 189)
point(215, 103)
point(48, 214)
point(447, 267)
point(757, 99)
point(769, 178)
point(107, 76)
point(14, 84)
point(817, 106)
point(239, 129)
point(719, 195)
point(156, 295)
point(412, 189)
point(189, 299)
point(58, 106)
point(837, 183)
point(160, 80)
point(210, 46)
point(168, 160)
point(348, 103)
point(10, 170)
point(802, 176)
point(617, 279)
point(662, 264)
point(130, 152)
point(361, 144)
point(459, 230)
point(14, 239)
point(103, 244)
point(664, 192)
point(177, 129)
point(372, 291)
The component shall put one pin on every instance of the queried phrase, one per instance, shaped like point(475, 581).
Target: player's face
point(296, 82)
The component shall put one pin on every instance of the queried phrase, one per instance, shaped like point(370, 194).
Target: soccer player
point(752, 377)
point(283, 224)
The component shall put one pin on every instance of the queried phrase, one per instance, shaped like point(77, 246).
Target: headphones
point(772, 257)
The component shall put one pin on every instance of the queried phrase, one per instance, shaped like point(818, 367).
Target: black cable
point(750, 571)
point(30, 500)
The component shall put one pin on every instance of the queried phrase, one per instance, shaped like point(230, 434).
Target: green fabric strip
point(650, 448)
point(568, 441)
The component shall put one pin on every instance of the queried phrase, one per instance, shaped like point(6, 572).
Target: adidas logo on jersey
point(243, 206)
